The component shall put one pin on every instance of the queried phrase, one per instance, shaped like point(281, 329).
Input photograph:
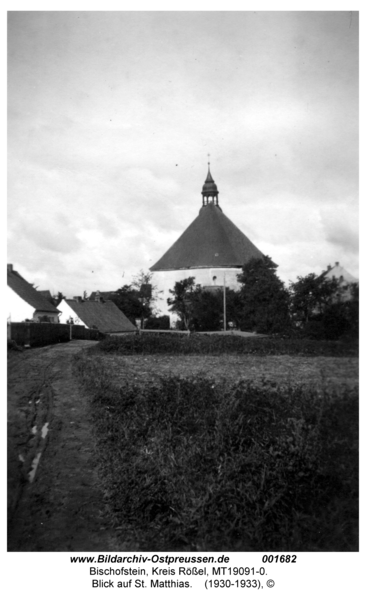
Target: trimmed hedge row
point(220, 344)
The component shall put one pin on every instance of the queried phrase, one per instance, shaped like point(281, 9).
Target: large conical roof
point(212, 240)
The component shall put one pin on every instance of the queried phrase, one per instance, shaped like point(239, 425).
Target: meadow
point(242, 450)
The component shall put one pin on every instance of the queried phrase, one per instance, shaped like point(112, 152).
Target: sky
point(112, 115)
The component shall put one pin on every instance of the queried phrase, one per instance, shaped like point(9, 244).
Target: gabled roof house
point(104, 316)
point(25, 303)
point(345, 280)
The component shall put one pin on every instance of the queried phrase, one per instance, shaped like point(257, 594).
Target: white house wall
point(165, 280)
point(67, 312)
point(345, 279)
point(38, 314)
point(18, 309)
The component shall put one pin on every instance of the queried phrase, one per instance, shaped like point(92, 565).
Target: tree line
point(314, 306)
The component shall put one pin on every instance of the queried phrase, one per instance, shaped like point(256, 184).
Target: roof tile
point(105, 316)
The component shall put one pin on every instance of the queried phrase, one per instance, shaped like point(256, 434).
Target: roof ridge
point(28, 293)
point(224, 221)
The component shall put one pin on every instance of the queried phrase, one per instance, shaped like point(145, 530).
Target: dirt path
point(55, 497)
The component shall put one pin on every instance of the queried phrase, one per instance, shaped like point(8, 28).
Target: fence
point(44, 334)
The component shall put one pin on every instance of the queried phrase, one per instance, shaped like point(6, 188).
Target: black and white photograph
point(183, 291)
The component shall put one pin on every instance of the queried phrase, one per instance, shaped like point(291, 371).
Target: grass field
point(232, 452)
point(321, 371)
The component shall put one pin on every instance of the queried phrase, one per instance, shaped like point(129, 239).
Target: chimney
point(337, 264)
point(97, 296)
point(329, 267)
point(77, 298)
point(10, 268)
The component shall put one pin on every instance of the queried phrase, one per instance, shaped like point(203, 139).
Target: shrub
point(14, 347)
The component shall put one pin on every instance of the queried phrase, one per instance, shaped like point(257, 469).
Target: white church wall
point(165, 280)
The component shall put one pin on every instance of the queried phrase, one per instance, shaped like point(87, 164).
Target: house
point(101, 296)
point(345, 279)
point(25, 303)
point(104, 316)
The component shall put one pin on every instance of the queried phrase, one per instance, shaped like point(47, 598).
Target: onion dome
point(209, 190)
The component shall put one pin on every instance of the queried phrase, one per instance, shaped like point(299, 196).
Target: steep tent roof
point(105, 316)
point(28, 293)
point(212, 240)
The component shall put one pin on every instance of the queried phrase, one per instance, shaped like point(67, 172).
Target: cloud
point(112, 115)
point(341, 230)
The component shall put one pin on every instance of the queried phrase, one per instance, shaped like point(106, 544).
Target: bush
point(14, 347)
point(220, 344)
point(158, 322)
point(335, 322)
point(192, 464)
point(314, 330)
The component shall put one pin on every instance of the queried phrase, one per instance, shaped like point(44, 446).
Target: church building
point(212, 250)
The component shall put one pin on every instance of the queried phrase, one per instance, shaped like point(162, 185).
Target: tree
point(326, 308)
point(147, 292)
point(128, 301)
point(311, 295)
point(264, 298)
point(137, 299)
point(352, 310)
point(58, 298)
point(181, 303)
point(203, 309)
point(208, 309)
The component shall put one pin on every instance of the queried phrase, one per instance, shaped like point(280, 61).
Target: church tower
point(209, 190)
point(212, 249)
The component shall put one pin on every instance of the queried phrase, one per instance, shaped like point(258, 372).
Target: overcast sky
point(112, 115)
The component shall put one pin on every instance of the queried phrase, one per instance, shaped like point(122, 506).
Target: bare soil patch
point(63, 509)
